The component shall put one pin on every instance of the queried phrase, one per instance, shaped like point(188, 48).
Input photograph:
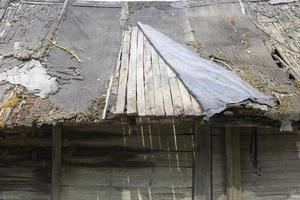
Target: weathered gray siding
point(104, 162)
point(150, 163)
point(108, 162)
point(25, 169)
point(279, 157)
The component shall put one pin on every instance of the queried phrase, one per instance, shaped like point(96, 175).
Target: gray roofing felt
point(213, 86)
point(93, 34)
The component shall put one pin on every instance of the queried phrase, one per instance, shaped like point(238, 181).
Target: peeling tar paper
point(33, 76)
point(214, 87)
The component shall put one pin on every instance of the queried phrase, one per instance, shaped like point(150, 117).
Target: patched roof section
point(144, 85)
point(158, 77)
point(58, 58)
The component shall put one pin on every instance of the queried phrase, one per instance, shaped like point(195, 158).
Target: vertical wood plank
point(131, 85)
point(186, 99)
point(149, 85)
point(175, 92)
point(158, 95)
point(114, 87)
point(168, 104)
point(140, 75)
point(202, 171)
point(196, 107)
point(232, 139)
point(56, 161)
point(121, 96)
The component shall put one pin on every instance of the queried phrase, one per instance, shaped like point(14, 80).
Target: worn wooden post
point(202, 171)
point(56, 161)
point(232, 139)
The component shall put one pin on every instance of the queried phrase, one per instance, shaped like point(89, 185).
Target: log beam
point(56, 161)
point(202, 171)
point(232, 139)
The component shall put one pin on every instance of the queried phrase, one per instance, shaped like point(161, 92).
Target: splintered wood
point(283, 31)
point(144, 83)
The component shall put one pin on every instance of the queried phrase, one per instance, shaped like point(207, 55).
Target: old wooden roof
point(144, 85)
point(156, 76)
point(83, 53)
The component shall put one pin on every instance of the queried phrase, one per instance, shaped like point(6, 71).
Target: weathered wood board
point(147, 83)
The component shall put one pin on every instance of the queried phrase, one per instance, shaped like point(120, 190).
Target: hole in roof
point(277, 58)
point(291, 77)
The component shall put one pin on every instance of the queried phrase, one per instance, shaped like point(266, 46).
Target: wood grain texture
point(132, 77)
point(186, 99)
point(149, 83)
point(175, 92)
point(196, 106)
point(232, 139)
point(115, 83)
point(56, 161)
point(202, 171)
point(168, 104)
point(140, 76)
point(158, 94)
point(25, 169)
point(121, 96)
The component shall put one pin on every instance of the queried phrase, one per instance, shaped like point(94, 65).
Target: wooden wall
point(25, 167)
point(150, 162)
point(279, 158)
point(112, 161)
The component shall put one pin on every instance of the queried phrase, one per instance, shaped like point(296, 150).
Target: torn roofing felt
point(213, 86)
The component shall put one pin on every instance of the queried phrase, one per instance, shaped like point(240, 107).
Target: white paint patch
point(33, 76)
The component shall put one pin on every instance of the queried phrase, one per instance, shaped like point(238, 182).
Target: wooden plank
point(168, 104)
point(159, 102)
point(149, 84)
point(121, 96)
point(56, 161)
point(131, 85)
point(95, 157)
point(140, 75)
point(126, 193)
point(20, 194)
point(202, 172)
point(115, 83)
point(196, 107)
point(183, 126)
point(232, 139)
point(161, 141)
point(127, 176)
point(175, 92)
point(186, 99)
point(19, 182)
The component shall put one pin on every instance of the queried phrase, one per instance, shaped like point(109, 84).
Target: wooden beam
point(232, 139)
point(202, 172)
point(122, 87)
point(56, 161)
